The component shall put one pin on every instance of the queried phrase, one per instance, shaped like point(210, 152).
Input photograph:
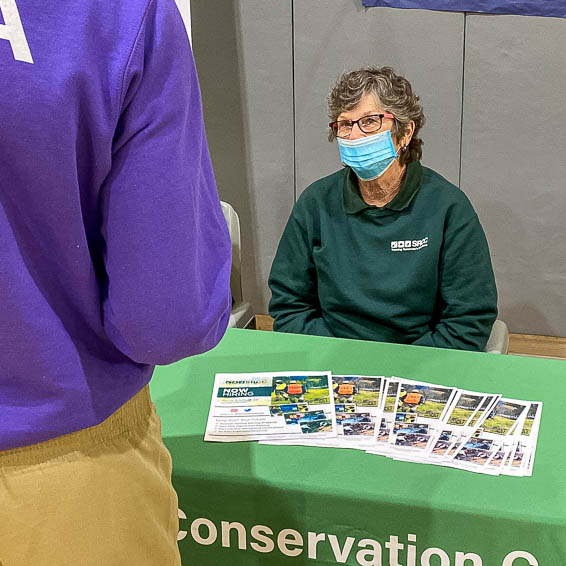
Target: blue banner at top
point(553, 8)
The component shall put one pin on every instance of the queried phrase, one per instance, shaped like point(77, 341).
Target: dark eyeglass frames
point(367, 124)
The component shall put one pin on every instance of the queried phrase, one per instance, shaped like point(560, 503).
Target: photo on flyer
point(357, 400)
point(411, 435)
point(475, 451)
point(425, 401)
point(504, 417)
point(362, 391)
point(355, 424)
point(464, 409)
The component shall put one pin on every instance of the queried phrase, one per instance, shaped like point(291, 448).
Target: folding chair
point(498, 342)
point(242, 313)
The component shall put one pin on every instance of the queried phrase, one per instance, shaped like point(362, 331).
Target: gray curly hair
point(395, 94)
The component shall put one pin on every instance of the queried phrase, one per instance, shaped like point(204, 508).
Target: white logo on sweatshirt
point(408, 245)
point(13, 31)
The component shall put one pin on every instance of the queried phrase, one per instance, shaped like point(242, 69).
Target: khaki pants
point(97, 497)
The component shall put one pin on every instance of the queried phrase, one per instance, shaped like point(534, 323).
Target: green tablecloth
point(302, 505)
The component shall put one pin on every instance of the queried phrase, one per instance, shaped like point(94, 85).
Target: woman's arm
point(293, 282)
point(467, 291)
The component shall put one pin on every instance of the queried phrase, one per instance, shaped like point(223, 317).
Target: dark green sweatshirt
point(416, 271)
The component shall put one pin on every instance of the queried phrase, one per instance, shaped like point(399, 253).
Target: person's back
point(114, 253)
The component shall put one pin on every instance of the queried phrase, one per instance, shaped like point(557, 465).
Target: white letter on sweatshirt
point(13, 31)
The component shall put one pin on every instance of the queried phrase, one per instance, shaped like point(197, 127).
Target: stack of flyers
point(468, 430)
point(466, 414)
point(504, 443)
point(358, 400)
point(386, 419)
point(522, 455)
point(358, 403)
point(262, 406)
point(396, 417)
point(414, 417)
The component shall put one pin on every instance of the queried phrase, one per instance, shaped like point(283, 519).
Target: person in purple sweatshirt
point(114, 257)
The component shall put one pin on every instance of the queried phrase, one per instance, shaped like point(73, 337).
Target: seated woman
point(384, 249)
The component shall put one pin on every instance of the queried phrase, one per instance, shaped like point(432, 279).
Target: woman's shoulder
point(318, 192)
point(442, 192)
point(327, 183)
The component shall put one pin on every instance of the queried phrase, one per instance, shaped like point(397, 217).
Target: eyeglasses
point(367, 124)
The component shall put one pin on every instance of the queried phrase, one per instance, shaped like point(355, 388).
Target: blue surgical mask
point(369, 157)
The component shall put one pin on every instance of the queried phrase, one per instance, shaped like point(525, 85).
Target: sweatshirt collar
point(354, 203)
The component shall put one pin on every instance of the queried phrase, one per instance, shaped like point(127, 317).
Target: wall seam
point(462, 101)
point(294, 101)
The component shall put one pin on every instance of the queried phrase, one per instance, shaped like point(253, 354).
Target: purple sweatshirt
point(114, 253)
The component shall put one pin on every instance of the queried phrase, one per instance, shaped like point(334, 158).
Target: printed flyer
point(259, 406)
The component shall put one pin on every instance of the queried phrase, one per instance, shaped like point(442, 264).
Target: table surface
point(182, 393)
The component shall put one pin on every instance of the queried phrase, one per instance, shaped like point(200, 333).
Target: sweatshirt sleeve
point(294, 303)
point(168, 252)
point(468, 295)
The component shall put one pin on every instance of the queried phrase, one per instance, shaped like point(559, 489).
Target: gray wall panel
point(513, 164)
point(426, 47)
point(243, 51)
